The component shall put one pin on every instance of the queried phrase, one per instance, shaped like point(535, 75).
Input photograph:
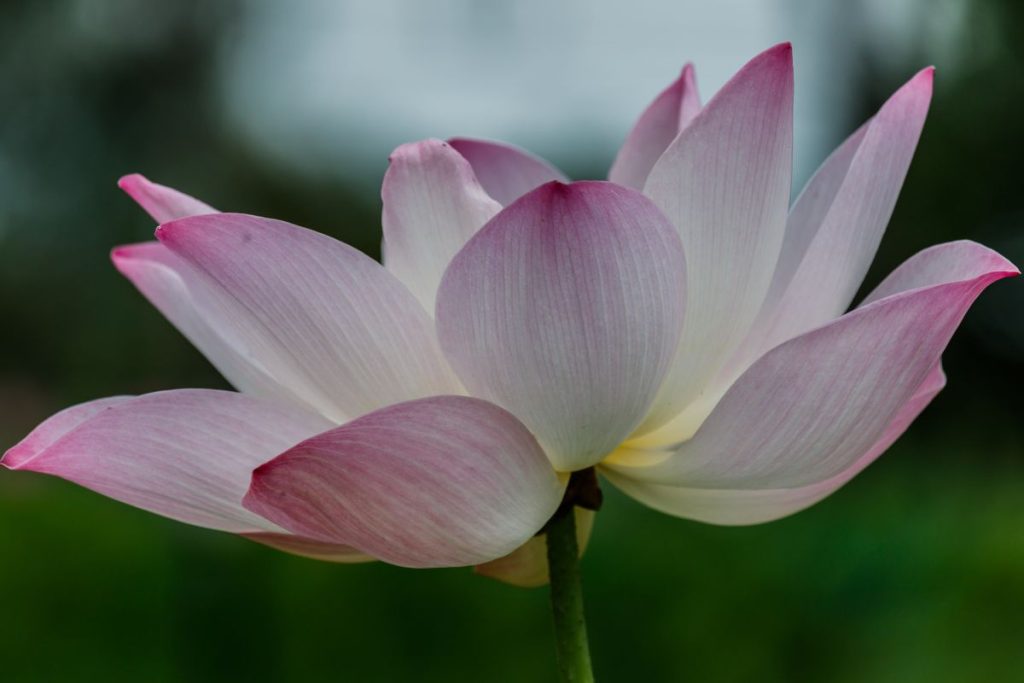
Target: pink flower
point(426, 412)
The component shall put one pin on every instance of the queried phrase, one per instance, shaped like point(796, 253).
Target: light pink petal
point(940, 263)
point(322, 319)
point(307, 547)
point(186, 454)
point(527, 565)
point(506, 172)
point(442, 481)
point(724, 183)
point(838, 221)
point(162, 203)
point(566, 309)
point(809, 408)
point(754, 506)
point(54, 427)
point(432, 205)
point(162, 278)
point(657, 127)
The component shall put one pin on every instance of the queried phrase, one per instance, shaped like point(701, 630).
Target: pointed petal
point(185, 454)
point(657, 127)
point(162, 203)
point(432, 205)
point(321, 318)
point(724, 184)
point(442, 481)
point(527, 565)
point(566, 309)
point(806, 410)
point(506, 172)
point(755, 506)
point(162, 278)
point(939, 263)
point(838, 221)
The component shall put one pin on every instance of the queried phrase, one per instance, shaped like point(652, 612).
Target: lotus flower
point(680, 328)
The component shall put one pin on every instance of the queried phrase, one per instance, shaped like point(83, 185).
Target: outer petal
point(724, 183)
point(185, 454)
point(432, 205)
point(808, 409)
point(307, 547)
point(566, 310)
point(657, 127)
point(506, 172)
point(162, 203)
point(443, 481)
point(838, 221)
point(162, 278)
point(321, 318)
point(527, 565)
point(754, 506)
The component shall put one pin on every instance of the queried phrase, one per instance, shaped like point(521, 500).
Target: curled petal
point(808, 409)
point(506, 172)
point(657, 127)
point(442, 481)
point(432, 205)
point(566, 309)
point(755, 506)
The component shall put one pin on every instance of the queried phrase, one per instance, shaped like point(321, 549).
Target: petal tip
point(131, 181)
point(416, 150)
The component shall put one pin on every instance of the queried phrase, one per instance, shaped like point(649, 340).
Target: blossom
point(680, 327)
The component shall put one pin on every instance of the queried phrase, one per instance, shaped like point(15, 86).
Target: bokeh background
point(914, 571)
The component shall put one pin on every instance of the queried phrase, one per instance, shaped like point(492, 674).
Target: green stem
point(567, 598)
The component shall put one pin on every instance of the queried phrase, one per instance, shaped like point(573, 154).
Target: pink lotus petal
point(319, 317)
point(939, 263)
point(185, 454)
point(307, 547)
point(755, 506)
point(432, 205)
point(527, 565)
point(657, 127)
point(566, 309)
point(161, 277)
point(55, 427)
point(162, 203)
point(506, 172)
point(838, 221)
point(724, 183)
point(809, 408)
point(442, 481)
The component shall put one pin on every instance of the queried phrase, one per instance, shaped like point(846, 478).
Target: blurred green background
point(914, 571)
